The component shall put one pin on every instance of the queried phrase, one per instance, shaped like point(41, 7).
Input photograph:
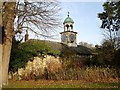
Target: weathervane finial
point(68, 14)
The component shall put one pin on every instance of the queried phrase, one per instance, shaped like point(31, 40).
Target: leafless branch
point(41, 18)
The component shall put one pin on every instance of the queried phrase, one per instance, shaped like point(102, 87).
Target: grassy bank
point(61, 84)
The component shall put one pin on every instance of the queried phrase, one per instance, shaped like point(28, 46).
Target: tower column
point(68, 37)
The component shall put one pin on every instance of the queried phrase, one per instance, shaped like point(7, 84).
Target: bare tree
point(39, 17)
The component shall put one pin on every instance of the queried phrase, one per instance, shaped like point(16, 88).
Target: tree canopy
point(107, 53)
point(110, 18)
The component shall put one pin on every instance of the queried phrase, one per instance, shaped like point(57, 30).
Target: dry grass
point(90, 74)
point(86, 73)
point(86, 77)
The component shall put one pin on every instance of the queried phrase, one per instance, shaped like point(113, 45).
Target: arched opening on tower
point(67, 27)
point(71, 27)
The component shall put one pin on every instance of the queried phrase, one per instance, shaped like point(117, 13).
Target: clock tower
point(68, 37)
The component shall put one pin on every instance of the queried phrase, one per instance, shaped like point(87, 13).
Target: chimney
point(26, 36)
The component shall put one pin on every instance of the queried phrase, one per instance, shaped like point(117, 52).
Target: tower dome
point(68, 20)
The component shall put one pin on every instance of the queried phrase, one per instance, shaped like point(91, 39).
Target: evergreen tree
point(110, 18)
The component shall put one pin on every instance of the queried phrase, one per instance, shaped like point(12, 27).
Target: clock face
point(63, 38)
point(72, 38)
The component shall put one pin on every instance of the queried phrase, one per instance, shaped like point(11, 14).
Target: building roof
point(81, 50)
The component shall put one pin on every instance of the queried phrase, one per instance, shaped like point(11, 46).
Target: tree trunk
point(8, 24)
point(1, 47)
point(0, 58)
point(5, 62)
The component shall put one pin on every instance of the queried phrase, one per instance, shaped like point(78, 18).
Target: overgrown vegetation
point(73, 68)
point(22, 52)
